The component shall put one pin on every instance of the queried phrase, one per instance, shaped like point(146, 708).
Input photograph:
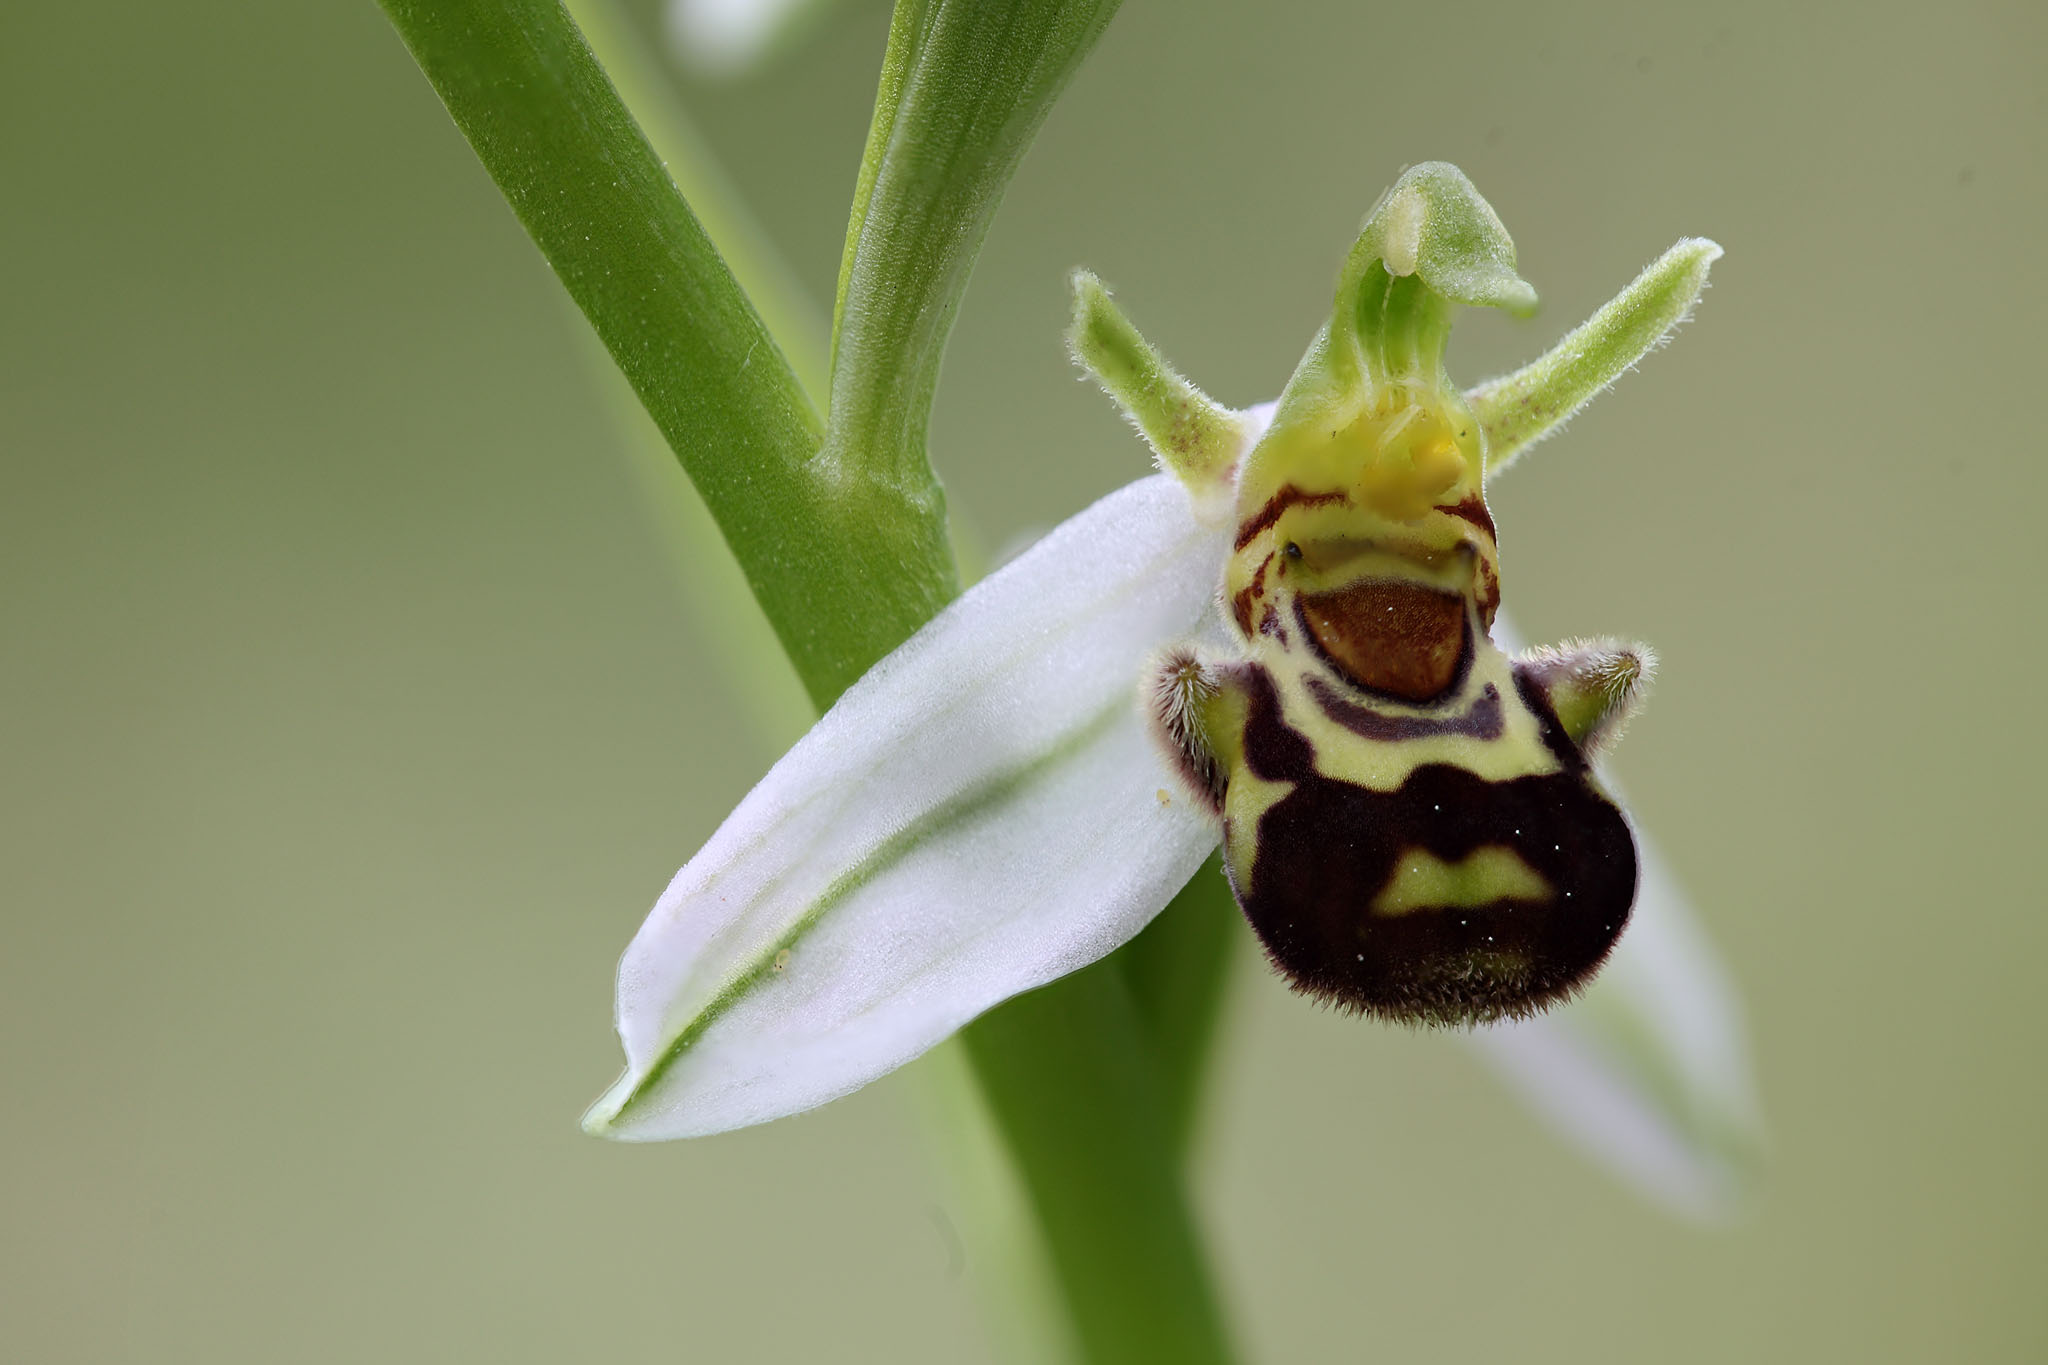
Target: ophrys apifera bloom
point(1287, 642)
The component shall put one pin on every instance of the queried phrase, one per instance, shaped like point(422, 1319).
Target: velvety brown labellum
point(1390, 636)
point(1328, 848)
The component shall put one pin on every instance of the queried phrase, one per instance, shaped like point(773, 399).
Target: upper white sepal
point(980, 814)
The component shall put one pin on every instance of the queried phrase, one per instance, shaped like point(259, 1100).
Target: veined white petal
point(981, 813)
point(1649, 1070)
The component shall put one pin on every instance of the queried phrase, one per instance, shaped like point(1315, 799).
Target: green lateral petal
point(1520, 409)
point(1194, 437)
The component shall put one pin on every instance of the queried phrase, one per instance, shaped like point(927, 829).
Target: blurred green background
point(351, 712)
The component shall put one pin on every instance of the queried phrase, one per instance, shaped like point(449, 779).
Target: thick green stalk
point(845, 565)
point(786, 307)
point(1072, 1080)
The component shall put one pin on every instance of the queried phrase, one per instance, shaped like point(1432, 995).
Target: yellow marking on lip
point(1411, 460)
point(1493, 872)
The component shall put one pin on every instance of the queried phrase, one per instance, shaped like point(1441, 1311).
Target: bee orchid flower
point(1014, 793)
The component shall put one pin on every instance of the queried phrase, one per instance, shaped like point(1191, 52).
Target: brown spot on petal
point(1247, 597)
point(1474, 510)
point(1388, 635)
point(1289, 496)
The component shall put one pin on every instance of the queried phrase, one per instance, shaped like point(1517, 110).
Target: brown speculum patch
point(1390, 636)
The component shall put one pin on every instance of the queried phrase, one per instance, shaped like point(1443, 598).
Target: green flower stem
point(1178, 972)
point(965, 86)
point(1070, 1079)
point(785, 305)
point(845, 566)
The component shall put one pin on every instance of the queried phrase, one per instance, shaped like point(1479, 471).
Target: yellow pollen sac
point(1494, 872)
point(1413, 461)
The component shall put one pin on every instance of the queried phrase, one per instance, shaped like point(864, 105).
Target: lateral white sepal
point(1649, 1070)
point(980, 814)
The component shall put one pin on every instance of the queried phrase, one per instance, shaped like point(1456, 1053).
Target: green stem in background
point(764, 689)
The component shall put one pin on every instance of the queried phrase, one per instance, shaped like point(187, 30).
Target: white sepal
point(1649, 1070)
point(981, 813)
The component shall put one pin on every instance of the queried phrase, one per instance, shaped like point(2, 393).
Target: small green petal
point(1520, 409)
point(1594, 686)
point(1194, 436)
